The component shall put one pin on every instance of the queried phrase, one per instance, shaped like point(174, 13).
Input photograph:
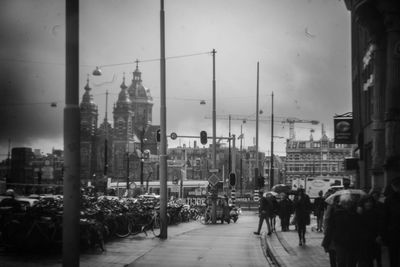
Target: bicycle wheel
point(156, 225)
point(124, 227)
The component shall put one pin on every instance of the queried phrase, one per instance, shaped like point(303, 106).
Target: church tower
point(123, 131)
point(141, 100)
point(89, 116)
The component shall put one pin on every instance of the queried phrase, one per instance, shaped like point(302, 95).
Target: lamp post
point(271, 177)
point(214, 193)
point(257, 112)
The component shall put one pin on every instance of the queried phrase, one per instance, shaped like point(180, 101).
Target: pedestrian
point(369, 227)
point(319, 208)
point(265, 211)
point(274, 213)
point(379, 208)
point(285, 209)
point(11, 202)
point(302, 207)
point(327, 242)
point(391, 223)
point(344, 226)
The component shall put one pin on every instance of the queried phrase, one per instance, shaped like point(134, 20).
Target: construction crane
point(290, 120)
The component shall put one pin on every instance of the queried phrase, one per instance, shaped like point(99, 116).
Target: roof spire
point(87, 87)
point(137, 64)
point(123, 86)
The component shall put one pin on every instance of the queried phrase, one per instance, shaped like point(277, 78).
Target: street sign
point(213, 170)
point(213, 179)
point(173, 136)
point(175, 189)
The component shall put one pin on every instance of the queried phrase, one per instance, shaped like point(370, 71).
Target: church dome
point(123, 96)
point(87, 98)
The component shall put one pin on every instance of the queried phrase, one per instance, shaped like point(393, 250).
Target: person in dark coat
point(319, 208)
point(285, 209)
point(344, 224)
point(265, 211)
point(379, 209)
point(369, 227)
point(302, 207)
point(391, 225)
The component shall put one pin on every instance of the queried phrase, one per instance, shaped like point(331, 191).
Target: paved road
point(188, 244)
point(212, 245)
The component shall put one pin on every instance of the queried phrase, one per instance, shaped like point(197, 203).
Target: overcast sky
point(303, 47)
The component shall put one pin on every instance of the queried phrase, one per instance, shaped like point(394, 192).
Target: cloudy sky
point(302, 46)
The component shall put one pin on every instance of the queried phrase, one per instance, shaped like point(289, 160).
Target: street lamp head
point(97, 71)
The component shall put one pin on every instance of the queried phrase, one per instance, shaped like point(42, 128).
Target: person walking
point(302, 207)
point(391, 223)
point(265, 211)
point(319, 208)
point(344, 226)
point(369, 227)
point(285, 209)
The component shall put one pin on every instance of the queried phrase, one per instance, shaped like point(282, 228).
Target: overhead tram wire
point(151, 60)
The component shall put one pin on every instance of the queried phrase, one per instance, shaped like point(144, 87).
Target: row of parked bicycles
point(101, 219)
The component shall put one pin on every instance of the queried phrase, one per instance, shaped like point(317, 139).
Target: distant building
point(278, 169)
point(310, 158)
point(106, 149)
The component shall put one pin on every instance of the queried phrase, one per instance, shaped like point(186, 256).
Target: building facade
point(311, 158)
point(375, 36)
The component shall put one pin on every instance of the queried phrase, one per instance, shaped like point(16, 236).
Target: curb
point(270, 252)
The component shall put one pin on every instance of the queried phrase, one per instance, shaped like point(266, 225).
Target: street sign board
point(213, 170)
point(173, 136)
point(213, 179)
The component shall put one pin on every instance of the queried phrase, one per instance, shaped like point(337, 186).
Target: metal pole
point(141, 161)
point(257, 119)
point(241, 161)
point(163, 131)
point(271, 183)
point(234, 154)
point(214, 115)
point(71, 139)
point(127, 171)
point(105, 139)
point(214, 154)
point(229, 150)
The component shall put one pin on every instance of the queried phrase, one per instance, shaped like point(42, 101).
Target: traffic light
point(203, 137)
point(158, 135)
point(232, 179)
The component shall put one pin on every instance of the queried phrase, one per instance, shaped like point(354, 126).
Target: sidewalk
point(188, 244)
point(284, 249)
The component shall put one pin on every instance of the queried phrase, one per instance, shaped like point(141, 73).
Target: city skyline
point(303, 48)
